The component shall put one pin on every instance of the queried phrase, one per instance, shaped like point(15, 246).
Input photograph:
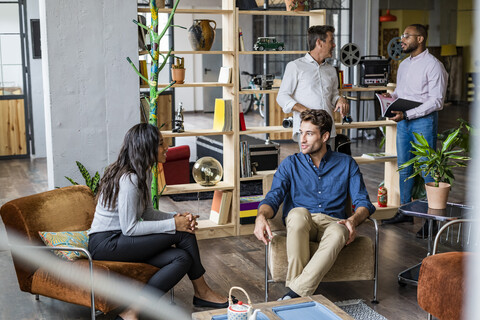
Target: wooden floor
point(239, 261)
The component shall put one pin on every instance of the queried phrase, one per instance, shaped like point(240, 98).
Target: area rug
point(359, 310)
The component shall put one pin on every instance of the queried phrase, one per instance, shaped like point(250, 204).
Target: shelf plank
point(192, 84)
point(194, 133)
point(281, 13)
point(195, 187)
point(142, 52)
point(168, 10)
point(259, 175)
point(208, 230)
point(353, 125)
point(272, 52)
point(361, 160)
point(367, 89)
point(269, 129)
point(383, 212)
point(257, 91)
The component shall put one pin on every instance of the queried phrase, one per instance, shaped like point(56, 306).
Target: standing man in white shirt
point(311, 83)
point(421, 77)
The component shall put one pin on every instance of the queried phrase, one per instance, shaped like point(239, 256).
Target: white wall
point(91, 93)
point(38, 113)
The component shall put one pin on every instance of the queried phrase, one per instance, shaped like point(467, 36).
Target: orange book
point(220, 206)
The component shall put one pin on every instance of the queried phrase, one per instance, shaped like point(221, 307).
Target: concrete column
point(91, 94)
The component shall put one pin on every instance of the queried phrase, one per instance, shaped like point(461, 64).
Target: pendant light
point(388, 17)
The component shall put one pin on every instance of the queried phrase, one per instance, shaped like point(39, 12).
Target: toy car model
point(268, 43)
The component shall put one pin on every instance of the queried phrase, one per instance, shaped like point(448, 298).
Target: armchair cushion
point(355, 261)
point(78, 239)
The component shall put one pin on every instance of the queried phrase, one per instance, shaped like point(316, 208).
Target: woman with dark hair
point(127, 228)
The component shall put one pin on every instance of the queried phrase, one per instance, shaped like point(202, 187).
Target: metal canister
point(382, 196)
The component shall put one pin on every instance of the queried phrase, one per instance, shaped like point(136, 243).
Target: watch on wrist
point(405, 115)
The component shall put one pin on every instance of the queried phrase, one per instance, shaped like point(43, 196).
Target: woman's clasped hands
point(186, 222)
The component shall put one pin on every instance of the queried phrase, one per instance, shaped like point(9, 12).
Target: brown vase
point(178, 75)
point(437, 196)
point(290, 4)
point(202, 34)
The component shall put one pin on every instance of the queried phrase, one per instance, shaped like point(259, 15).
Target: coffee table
point(266, 308)
point(419, 208)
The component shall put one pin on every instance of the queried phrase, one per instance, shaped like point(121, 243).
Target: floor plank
point(239, 261)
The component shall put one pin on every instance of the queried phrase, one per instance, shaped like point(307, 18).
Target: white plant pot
point(437, 196)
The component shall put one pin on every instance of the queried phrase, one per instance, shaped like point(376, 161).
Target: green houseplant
point(438, 163)
point(91, 182)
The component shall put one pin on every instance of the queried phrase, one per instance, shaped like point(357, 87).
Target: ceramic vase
point(202, 34)
point(178, 75)
point(290, 4)
point(437, 196)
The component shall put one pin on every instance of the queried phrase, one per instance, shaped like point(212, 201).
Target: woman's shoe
point(119, 318)
point(200, 303)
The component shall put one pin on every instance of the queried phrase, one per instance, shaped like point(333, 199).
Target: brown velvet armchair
point(442, 280)
point(357, 261)
point(65, 209)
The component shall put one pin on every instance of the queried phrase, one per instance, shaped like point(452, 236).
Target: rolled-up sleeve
point(287, 88)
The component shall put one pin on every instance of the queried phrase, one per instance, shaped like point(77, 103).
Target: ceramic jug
point(201, 34)
point(240, 310)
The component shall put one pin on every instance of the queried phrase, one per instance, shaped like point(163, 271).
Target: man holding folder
point(421, 77)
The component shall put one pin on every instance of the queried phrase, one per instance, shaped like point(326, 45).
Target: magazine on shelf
point(389, 104)
point(378, 155)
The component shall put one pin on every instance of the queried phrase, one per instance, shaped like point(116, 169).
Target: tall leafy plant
point(438, 163)
point(158, 63)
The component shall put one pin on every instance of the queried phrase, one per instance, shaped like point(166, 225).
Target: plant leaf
point(71, 181)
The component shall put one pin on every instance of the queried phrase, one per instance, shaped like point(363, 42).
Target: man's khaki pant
point(304, 274)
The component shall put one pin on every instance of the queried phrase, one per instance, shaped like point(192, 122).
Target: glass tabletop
point(419, 208)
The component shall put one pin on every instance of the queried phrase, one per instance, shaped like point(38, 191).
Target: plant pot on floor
point(178, 75)
point(437, 196)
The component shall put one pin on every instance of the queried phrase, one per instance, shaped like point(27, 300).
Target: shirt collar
point(310, 59)
point(325, 158)
point(419, 56)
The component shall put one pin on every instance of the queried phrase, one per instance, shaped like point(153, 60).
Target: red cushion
point(178, 153)
point(176, 166)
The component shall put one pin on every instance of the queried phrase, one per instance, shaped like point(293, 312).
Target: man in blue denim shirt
point(314, 186)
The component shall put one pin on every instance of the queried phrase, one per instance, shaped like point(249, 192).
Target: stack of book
point(245, 165)
point(222, 118)
point(249, 208)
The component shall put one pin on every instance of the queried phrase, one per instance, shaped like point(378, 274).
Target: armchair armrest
point(90, 265)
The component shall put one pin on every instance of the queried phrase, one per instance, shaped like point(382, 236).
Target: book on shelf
point(241, 118)
point(143, 71)
point(249, 208)
point(221, 205)
point(241, 44)
point(378, 155)
point(225, 75)
point(389, 104)
point(222, 117)
point(245, 166)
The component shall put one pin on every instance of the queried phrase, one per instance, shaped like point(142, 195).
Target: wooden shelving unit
point(231, 180)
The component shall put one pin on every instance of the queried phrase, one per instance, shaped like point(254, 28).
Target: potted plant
point(438, 164)
point(297, 5)
point(178, 71)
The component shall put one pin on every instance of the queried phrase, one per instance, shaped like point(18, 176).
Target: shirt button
point(319, 191)
point(319, 178)
point(319, 205)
